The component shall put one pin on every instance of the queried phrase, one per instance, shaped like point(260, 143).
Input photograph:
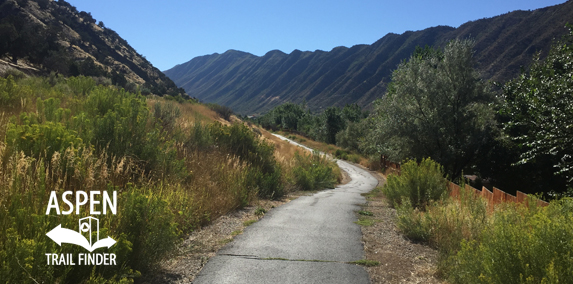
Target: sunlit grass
point(176, 166)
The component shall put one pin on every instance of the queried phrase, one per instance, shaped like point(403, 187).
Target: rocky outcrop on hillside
point(43, 36)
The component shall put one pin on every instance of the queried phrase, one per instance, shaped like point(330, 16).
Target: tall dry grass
point(158, 203)
point(175, 166)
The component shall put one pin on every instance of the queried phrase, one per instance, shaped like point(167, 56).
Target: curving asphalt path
point(308, 240)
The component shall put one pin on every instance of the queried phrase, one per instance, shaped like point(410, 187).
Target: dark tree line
point(322, 127)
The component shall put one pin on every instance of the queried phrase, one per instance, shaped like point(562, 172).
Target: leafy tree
point(118, 79)
point(540, 107)
point(332, 123)
point(352, 113)
point(352, 136)
point(437, 107)
point(285, 116)
point(307, 124)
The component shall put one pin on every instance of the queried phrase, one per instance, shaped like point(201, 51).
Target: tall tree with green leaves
point(331, 123)
point(436, 106)
point(540, 106)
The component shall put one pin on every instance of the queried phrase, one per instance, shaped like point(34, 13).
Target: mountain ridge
point(253, 84)
point(80, 46)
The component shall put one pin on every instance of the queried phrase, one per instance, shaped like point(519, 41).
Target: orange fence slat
point(473, 190)
point(454, 190)
point(521, 197)
point(488, 195)
point(498, 196)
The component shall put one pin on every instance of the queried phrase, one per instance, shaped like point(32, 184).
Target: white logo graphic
point(83, 237)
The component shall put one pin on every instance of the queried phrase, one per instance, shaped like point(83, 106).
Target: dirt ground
point(401, 261)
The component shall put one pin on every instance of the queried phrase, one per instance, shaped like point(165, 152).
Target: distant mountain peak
point(275, 52)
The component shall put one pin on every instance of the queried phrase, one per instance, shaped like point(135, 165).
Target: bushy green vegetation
point(223, 111)
point(519, 245)
point(436, 106)
point(444, 223)
point(314, 172)
point(539, 105)
point(173, 173)
point(513, 244)
point(418, 184)
point(239, 140)
point(346, 155)
point(322, 127)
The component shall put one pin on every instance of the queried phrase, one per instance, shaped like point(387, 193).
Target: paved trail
point(308, 240)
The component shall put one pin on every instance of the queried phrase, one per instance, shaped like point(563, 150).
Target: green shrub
point(520, 246)
point(445, 223)
point(341, 154)
point(12, 93)
point(313, 172)
point(40, 139)
point(240, 141)
point(355, 158)
point(269, 185)
point(420, 183)
point(81, 85)
point(120, 123)
point(223, 111)
point(199, 137)
point(167, 115)
point(149, 225)
point(412, 223)
point(345, 155)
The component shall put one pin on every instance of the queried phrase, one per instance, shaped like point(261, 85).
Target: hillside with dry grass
point(176, 166)
point(42, 36)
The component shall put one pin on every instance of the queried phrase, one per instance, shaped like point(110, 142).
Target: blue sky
point(170, 32)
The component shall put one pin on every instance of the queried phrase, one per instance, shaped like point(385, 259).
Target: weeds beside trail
point(174, 169)
point(315, 172)
point(512, 244)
